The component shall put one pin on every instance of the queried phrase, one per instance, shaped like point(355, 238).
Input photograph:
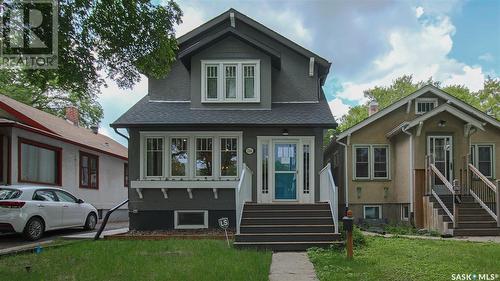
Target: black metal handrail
point(105, 220)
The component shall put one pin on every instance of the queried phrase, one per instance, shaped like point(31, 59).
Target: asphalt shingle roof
point(145, 113)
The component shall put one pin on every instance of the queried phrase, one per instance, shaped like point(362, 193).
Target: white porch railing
point(484, 192)
point(431, 173)
point(243, 193)
point(328, 192)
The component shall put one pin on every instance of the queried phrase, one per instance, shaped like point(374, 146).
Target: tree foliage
point(486, 100)
point(115, 39)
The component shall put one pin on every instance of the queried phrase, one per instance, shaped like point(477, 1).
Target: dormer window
point(230, 81)
point(424, 105)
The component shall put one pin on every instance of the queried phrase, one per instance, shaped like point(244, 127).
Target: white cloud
point(192, 18)
point(423, 53)
point(338, 107)
point(487, 57)
point(419, 11)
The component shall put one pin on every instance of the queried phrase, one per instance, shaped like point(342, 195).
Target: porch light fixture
point(386, 191)
point(284, 132)
point(442, 123)
point(358, 191)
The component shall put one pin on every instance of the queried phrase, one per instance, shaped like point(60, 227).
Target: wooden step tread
point(283, 210)
point(286, 225)
point(286, 218)
point(288, 243)
point(288, 234)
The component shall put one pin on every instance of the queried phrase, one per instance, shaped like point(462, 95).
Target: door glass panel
point(286, 186)
point(285, 157)
point(285, 167)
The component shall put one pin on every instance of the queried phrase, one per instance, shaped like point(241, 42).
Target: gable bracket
point(408, 107)
point(165, 194)
point(139, 192)
point(419, 129)
point(467, 129)
point(311, 66)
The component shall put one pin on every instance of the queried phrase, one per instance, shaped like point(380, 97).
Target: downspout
point(122, 135)
point(346, 181)
point(411, 172)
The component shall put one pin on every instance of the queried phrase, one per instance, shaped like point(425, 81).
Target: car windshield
point(7, 193)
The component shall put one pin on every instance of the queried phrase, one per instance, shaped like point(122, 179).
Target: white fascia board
point(450, 109)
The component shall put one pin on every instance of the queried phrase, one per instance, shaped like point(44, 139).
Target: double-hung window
point(179, 161)
point(154, 156)
point(482, 157)
point(362, 162)
point(204, 161)
point(230, 81)
point(380, 162)
point(229, 157)
point(371, 161)
point(89, 170)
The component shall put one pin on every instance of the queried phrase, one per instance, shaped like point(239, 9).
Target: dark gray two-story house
point(235, 130)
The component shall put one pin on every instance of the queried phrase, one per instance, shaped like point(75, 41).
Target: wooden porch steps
point(473, 220)
point(286, 227)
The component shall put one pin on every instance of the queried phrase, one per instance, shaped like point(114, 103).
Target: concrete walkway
point(494, 239)
point(288, 266)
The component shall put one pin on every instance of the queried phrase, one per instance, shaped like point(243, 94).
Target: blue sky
point(369, 43)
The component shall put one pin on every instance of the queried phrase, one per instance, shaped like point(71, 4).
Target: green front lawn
point(139, 260)
point(408, 259)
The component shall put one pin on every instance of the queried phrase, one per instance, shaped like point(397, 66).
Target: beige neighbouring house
point(408, 161)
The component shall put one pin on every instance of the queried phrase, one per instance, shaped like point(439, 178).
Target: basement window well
point(190, 219)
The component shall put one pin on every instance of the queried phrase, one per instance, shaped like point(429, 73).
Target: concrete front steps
point(473, 220)
point(286, 227)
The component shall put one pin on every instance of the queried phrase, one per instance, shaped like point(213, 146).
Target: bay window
point(39, 163)
point(230, 81)
point(191, 155)
point(370, 162)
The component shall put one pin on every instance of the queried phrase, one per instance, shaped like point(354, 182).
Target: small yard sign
point(224, 224)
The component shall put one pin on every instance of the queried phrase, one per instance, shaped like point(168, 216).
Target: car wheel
point(34, 229)
point(91, 222)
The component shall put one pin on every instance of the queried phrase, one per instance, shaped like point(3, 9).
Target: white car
point(32, 210)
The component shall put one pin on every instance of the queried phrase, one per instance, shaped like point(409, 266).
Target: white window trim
point(169, 151)
point(403, 218)
point(190, 226)
point(214, 161)
point(354, 147)
point(143, 165)
point(475, 161)
point(425, 100)
point(221, 81)
point(239, 148)
point(387, 164)
point(372, 206)
point(371, 162)
point(191, 136)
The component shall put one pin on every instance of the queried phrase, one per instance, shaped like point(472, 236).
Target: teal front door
point(285, 171)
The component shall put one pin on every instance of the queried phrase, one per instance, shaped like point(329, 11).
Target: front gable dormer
point(234, 62)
